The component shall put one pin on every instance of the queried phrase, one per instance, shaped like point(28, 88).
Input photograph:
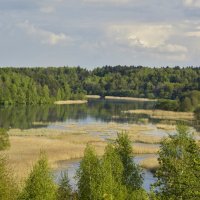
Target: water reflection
point(36, 116)
point(23, 117)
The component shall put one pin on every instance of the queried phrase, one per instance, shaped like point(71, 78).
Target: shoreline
point(69, 102)
point(129, 98)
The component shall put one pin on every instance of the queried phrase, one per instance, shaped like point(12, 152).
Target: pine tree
point(179, 174)
point(132, 177)
point(39, 185)
point(64, 190)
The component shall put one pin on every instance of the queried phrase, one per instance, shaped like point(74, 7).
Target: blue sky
point(92, 33)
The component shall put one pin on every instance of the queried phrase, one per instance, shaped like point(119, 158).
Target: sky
point(94, 33)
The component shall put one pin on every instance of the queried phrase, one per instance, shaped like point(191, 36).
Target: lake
point(94, 112)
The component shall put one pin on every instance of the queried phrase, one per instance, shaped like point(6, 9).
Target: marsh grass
point(71, 102)
point(150, 164)
point(162, 114)
point(129, 98)
point(145, 138)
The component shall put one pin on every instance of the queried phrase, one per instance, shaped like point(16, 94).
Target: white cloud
point(154, 39)
point(145, 36)
point(192, 3)
point(45, 37)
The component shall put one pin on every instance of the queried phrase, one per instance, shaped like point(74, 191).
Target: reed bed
point(129, 98)
point(145, 138)
point(162, 114)
point(70, 102)
point(150, 164)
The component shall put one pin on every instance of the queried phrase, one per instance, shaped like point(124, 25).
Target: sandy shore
point(71, 102)
point(129, 98)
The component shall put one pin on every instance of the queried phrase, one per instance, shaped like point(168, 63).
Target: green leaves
point(40, 184)
point(114, 176)
point(4, 139)
point(132, 177)
point(88, 176)
point(64, 191)
point(179, 172)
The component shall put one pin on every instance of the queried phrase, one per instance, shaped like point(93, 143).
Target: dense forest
point(179, 86)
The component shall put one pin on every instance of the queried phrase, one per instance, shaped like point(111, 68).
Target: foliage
point(4, 139)
point(132, 177)
point(64, 189)
point(167, 105)
point(45, 85)
point(112, 175)
point(39, 185)
point(179, 173)
point(140, 194)
point(8, 187)
point(88, 180)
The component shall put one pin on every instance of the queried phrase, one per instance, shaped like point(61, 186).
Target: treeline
point(40, 85)
point(188, 101)
point(114, 175)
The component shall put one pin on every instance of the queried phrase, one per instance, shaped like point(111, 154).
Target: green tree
point(64, 189)
point(178, 176)
point(8, 186)
point(40, 184)
point(111, 175)
point(4, 139)
point(132, 177)
point(88, 176)
point(140, 194)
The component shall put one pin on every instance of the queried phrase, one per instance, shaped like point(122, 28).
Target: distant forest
point(177, 88)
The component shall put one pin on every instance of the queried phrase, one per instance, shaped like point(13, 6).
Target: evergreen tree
point(64, 189)
point(132, 177)
point(178, 176)
point(39, 185)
